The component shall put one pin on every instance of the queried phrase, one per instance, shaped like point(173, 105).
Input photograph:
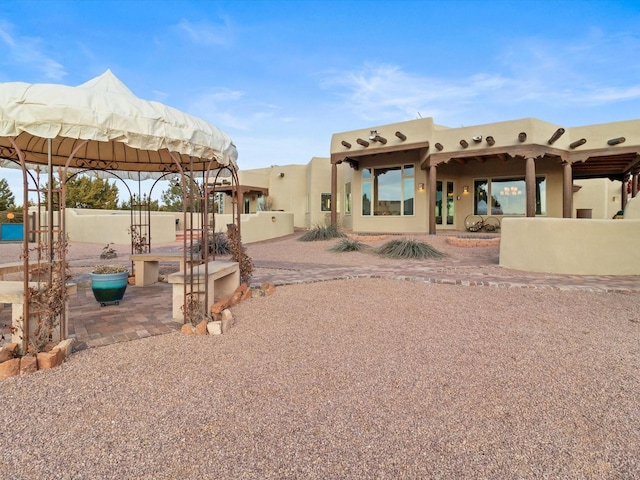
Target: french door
point(445, 205)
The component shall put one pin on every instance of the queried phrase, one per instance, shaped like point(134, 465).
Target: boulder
point(10, 368)
point(48, 360)
point(66, 347)
point(28, 364)
point(201, 328)
point(268, 288)
point(188, 329)
point(214, 328)
point(247, 294)
point(227, 320)
point(13, 348)
point(5, 354)
point(220, 305)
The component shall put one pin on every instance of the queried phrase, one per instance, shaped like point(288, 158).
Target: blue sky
point(280, 77)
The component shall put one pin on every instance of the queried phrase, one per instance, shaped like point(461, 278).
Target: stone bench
point(222, 279)
point(12, 292)
point(146, 266)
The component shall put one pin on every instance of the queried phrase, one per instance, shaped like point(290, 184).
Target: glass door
point(444, 204)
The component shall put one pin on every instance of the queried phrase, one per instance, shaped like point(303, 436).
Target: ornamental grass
point(407, 248)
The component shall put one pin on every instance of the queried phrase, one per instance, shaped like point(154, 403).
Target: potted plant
point(109, 283)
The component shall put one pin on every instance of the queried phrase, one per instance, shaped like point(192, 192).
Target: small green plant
point(407, 248)
point(105, 269)
point(322, 232)
point(348, 245)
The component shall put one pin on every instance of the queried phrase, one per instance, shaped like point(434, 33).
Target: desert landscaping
point(447, 368)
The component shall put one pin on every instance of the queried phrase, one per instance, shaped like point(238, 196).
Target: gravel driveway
point(366, 378)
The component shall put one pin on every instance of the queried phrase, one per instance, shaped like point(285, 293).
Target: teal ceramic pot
point(109, 288)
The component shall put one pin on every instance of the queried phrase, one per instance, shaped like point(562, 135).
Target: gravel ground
point(361, 378)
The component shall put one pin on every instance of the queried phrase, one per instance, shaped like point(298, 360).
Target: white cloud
point(528, 75)
point(29, 52)
point(206, 33)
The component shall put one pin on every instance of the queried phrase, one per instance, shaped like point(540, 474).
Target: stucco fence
point(112, 226)
point(571, 246)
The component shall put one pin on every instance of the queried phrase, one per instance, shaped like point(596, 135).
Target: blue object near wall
point(11, 232)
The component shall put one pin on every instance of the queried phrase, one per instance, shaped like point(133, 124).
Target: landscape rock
point(268, 288)
point(5, 354)
point(201, 328)
point(214, 328)
point(188, 329)
point(10, 368)
point(66, 347)
point(227, 320)
point(13, 348)
point(220, 305)
point(28, 364)
point(47, 360)
point(246, 295)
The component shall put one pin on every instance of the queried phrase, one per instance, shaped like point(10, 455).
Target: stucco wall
point(255, 227)
point(571, 246)
point(112, 226)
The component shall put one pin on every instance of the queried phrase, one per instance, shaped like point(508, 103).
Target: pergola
point(52, 132)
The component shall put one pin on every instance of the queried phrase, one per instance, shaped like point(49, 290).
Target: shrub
point(322, 232)
point(104, 269)
point(348, 245)
point(406, 248)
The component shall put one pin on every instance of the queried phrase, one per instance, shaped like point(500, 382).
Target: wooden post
point(567, 190)
point(625, 194)
point(334, 193)
point(432, 200)
point(530, 185)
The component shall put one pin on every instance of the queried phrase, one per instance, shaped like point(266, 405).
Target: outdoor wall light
point(373, 134)
point(273, 219)
point(421, 187)
point(465, 189)
point(281, 174)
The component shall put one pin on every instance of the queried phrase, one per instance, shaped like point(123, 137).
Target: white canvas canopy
point(122, 132)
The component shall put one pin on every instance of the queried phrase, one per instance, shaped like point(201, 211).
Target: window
point(219, 202)
point(347, 198)
point(325, 202)
point(389, 189)
point(508, 196)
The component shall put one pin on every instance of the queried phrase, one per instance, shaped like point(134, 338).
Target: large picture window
point(507, 196)
point(388, 190)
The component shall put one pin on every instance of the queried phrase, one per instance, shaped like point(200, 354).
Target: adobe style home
point(419, 177)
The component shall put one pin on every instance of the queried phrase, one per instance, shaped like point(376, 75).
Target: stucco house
point(419, 177)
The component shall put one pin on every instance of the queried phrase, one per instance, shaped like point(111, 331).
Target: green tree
point(88, 192)
point(126, 205)
point(172, 197)
point(7, 200)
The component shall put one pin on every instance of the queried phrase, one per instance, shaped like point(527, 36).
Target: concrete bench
point(12, 292)
point(146, 266)
point(13, 267)
point(222, 279)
